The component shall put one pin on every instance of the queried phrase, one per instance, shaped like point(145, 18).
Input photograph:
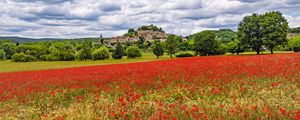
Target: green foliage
point(84, 51)
point(131, 32)
point(83, 54)
point(21, 57)
point(64, 51)
point(187, 54)
point(249, 32)
point(158, 49)
point(133, 52)
point(101, 53)
point(140, 42)
point(294, 43)
point(118, 52)
point(232, 47)
point(66, 56)
point(186, 45)
point(151, 27)
point(49, 57)
point(269, 29)
point(2, 54)
point(294, 30)
point(206, 44)
point(274, 29)
point(172, 44)
point(221, 49)
point(9, 48)
point(226, 35)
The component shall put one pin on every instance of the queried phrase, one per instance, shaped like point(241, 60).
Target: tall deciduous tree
point(274, 29)
point(205, 43)
point(172, 44)
point(250, 32)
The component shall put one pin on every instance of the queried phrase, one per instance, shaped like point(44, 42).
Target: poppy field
point(218, 87)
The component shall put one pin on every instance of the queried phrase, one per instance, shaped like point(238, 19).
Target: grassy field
point(8, 66)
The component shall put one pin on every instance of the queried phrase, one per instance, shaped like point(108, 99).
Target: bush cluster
point(21, 57)
point(185, 55)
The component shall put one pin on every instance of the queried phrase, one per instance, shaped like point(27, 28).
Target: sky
point(90, 18)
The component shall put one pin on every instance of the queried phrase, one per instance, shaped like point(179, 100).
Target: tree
point(101, 53)
point(158, 49)
point(235, 47)
point(274, 29)
point(186, 45)
point(294, 43)
point(21, 57)
point(84, 52)
point(118, 52)
point(140, 42)
point(131, 32)
point(205, 43)
point(9, 48)
point(2, 54)
point(133, 52)
point(172, 44)
point(250, 33)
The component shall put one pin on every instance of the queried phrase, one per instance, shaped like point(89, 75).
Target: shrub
point(294, 43)
point(185, 55)
point(2, 54)
point(50, 57)
point(133, 52)
point(21, 57)
point(101, 53)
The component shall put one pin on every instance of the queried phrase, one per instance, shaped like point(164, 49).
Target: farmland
point(216, 87)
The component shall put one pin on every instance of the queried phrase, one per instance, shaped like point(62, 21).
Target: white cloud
point(86, 18)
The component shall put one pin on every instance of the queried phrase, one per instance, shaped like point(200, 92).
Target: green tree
point(250, 32)
point(118, 52)
point(294, 43)
point(84, 52)
point(2, 54)
point(205, 43)
point(133, 52)
point(185, 46)
point(101, 53)
point(158, 49)
point(235, 47)
point(140, 42)
point(21, 57)
point(172, 44)
point(131, 32)
point(9, 48)
point(274, 29)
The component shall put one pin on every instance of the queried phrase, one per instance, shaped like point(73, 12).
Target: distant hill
point(294, 30)
point(23, 39)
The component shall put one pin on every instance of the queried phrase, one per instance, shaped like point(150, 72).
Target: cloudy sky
point(89, 18)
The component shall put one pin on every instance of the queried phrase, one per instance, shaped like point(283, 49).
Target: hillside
point(23, 39)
